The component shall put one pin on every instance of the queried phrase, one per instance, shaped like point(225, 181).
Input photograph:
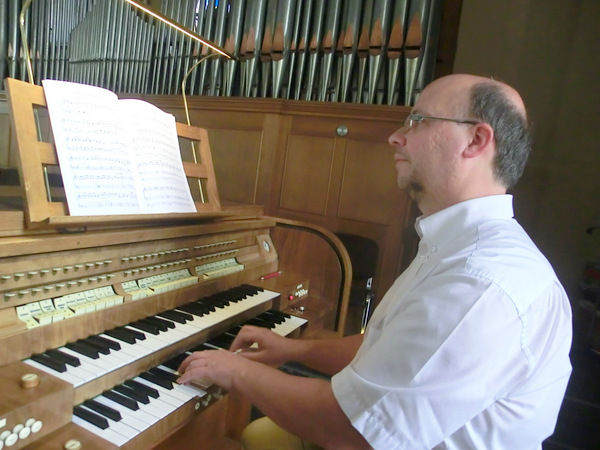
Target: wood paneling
point(236, 156)
point(306, 174)
point(368, 183)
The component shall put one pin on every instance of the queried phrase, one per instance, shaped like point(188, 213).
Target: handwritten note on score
point(116, 156)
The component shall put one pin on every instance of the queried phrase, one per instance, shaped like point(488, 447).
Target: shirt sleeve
point(432, 362)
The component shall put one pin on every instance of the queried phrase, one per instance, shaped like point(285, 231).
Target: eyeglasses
point(413, 119)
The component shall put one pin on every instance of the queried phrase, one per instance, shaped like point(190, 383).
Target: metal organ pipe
point(364, 51)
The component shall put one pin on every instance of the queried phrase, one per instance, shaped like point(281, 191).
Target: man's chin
point(412, 187)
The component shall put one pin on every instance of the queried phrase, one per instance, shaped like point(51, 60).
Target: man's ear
point(482, 136)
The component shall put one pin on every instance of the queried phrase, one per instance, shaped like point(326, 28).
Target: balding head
point(498, 105)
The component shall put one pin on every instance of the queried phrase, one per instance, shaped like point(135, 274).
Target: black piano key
point(208, 307)
point(150, 392)
point(145, 326)
point(91, 417)
point(193, 308)
point(122, 400)
point(175, 362)
point(281, 314)
point(274, 317)
point(49, 362)
point(231, 333)
point(220, 341)
point(101, 348)
point(270, 318)
point(215, 301)
point(106, 411)
point(209, 303)
point(71, 360)
point(235, 330)
point(162, 322)
point(114, 345)
point(164, 374)
point(120, 335)
point(156, 380)
point(132, 393)
point(161, 327)
point(137, 334)
point(223, 298)
point(238, 293)
point(85, 350)
point(256, 321)
point(202, 347)
point(155, 322)
point(250, 290)
point(176, 316)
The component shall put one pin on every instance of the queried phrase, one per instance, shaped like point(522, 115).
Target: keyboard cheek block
point(31, 398)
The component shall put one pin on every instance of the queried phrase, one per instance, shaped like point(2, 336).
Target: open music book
point(117, 156)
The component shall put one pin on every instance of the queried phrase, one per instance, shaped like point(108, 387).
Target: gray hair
point(512, 130)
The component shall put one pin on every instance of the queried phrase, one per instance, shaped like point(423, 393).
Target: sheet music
point(116, 156)
point(162, 183)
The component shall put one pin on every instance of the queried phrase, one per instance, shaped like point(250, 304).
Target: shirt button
point(433, 249)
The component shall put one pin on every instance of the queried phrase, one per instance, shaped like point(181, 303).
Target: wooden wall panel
point(236, 157)
point(306, 174)
point(369, 182)
point(243, 144)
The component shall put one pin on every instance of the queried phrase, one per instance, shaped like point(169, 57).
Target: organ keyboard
point(98, 316)
point(122, 414)
point(99, 354)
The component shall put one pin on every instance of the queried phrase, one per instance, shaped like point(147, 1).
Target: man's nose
point(397, 137)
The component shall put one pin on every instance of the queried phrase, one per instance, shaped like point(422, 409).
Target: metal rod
point(24, 39)
point(179, 28)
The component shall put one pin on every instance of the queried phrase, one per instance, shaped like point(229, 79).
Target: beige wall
point(550, 51)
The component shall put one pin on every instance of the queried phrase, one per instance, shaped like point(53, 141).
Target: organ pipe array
point(362, 51)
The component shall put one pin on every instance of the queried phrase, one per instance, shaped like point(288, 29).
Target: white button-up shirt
point(469, 347)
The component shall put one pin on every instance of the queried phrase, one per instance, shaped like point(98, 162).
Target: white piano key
point(190, 390)
point(98, 366)
point(140, 420)
point(120, 355)
point(143, 346)
point(131, 351)
point(112, 360)
point(173, 397)
point(151, 339)
point(169, 337)
point(117, 427)
point(156, 408)
point(186, 328)
point(234, 308)
point(108, 434)
point(82, 372)
point(159, 406)
point(289, 325)
point(65, 376)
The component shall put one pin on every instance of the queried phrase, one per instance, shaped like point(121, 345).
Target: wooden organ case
point(70, 287)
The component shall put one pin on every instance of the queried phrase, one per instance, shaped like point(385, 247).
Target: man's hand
point(219, 366)
point(262, 345)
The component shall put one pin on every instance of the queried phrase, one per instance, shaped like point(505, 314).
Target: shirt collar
point(444, 225)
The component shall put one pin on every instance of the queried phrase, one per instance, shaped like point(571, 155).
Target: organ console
point(96, 314)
